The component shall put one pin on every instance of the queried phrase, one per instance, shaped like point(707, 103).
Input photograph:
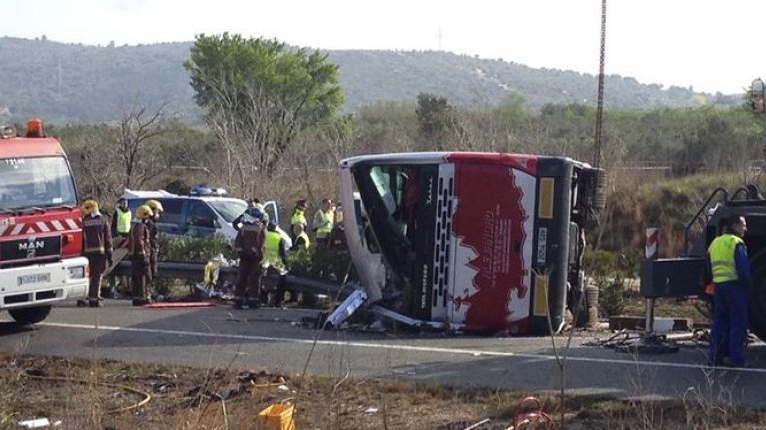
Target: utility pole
point(600, 103)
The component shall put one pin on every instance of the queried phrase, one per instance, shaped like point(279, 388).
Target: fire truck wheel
point(30, 315)
point(757, 312)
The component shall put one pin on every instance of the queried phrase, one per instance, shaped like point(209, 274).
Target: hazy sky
point(708, 44)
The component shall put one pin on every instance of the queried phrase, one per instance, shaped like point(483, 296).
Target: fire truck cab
point(41, 260)
point(474, 241)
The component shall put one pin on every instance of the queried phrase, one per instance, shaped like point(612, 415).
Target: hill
point(78, 83)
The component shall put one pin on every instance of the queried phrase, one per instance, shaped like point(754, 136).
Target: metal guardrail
point(195, 271)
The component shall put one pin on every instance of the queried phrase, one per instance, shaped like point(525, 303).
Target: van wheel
point(30, 315)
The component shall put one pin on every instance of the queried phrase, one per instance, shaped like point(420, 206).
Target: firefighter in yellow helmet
point(138, 251)
point(154, 244)
point(97, 247)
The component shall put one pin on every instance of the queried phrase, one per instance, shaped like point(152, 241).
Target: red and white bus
point(481, 241)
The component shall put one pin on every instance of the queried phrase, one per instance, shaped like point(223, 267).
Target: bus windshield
point(38, 182)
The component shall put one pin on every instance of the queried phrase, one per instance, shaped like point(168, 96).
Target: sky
point(709, 45)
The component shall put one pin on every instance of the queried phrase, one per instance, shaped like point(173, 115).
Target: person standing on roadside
point(730, 269)
point(138, 251)
point(323, 223)
point(154, 239)
point(298, 217)
point(97, 248)
point(121, 219)
point(249, 244)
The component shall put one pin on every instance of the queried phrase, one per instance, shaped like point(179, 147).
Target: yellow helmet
point(89, 207)
point(144, 212)
point(155, 206)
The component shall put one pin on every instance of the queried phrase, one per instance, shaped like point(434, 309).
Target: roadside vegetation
point(278, 133)
point(96, 395)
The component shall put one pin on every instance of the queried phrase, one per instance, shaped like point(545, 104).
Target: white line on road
point(395, 347)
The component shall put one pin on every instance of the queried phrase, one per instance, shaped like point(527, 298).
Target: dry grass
point(189, 398)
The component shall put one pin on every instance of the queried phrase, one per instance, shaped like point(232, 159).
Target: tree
point(436, 121)
point(126, 156)
point(258, 97)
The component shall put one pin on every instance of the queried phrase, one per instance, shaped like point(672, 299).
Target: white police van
point(204, 212)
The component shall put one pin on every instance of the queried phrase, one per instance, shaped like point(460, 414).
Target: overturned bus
point(474, 241)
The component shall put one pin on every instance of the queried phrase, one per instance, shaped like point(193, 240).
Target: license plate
point(34, 279)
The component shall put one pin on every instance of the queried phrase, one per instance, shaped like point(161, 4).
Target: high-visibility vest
point(271, 253)
point(324, 229)
point(305, 239)
point(721, 251)
point(123, 221)
point(298, 217)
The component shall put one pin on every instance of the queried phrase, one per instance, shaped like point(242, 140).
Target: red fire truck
point(41, 260)
point(477, 241)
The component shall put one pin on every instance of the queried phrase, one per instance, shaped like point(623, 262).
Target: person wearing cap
point(121, 219)
point(298, 217)
point(249, 244)
point(324, 221)
point(97, 248)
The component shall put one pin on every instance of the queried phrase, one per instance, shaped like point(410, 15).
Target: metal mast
point(600, 99)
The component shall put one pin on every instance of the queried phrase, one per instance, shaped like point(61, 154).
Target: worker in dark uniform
point(249, 244)
point(730, 268)
point(138, 250)
point(97, 247)
point(251, 204)
point(154, 240)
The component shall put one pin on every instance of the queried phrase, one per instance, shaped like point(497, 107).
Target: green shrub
point(200, 249)
point(609, 270)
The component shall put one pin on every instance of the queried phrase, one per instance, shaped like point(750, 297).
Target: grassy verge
point(83, 394)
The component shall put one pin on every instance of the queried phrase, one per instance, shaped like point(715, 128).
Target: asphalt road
point(276, 339)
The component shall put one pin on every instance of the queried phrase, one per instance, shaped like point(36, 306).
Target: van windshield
point(229, 209)
point(36, 182)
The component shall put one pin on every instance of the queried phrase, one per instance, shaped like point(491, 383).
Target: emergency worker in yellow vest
point(97, 247)
point(730, 268)
point(324, 221)
point(154, 240)
point(298, 217)
point(301, 240)
point(121, 219)
point(275, 261)
point(249, 244)
point(138, 251)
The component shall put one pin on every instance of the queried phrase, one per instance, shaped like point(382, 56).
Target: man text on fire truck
point(97, 247)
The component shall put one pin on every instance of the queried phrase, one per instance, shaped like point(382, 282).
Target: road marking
point(398, 347)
